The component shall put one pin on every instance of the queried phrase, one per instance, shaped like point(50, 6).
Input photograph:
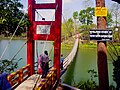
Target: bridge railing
point(71, 56)
point(16, 78)
point(19, 76)
point(49, 82)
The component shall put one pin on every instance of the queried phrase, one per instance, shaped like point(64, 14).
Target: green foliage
point(93, 74)
point(116, 72)
point(75, 15)
point(67, 28)
point(10, 15)
point(109, 19)
point(86, 29)
point(114, 52)
point(70, 27)
point(8, 66)
point(86, 16)
point(89, 84)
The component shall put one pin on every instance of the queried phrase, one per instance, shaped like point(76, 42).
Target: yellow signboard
point(101, 11)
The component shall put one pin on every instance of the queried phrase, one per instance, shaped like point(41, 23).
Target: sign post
point(101, 11)
point(100, 35)
point(102, 52)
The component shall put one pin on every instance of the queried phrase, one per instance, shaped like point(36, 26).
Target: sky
point(70, 6)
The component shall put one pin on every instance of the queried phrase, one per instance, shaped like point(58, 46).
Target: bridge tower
point(37, 27)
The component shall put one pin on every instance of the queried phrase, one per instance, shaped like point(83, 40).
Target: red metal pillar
point(102, 52)
point(57, 45)
point(30, 43)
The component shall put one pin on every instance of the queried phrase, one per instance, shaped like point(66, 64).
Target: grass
point(88, 45)
point(14, 38)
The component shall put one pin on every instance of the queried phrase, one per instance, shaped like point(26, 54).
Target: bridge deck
point(29, 83)
point(70, 57)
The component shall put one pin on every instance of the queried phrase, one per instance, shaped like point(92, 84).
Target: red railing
point(49, 82)
point(19, 76)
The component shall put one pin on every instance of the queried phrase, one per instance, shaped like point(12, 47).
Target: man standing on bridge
point(43, 62)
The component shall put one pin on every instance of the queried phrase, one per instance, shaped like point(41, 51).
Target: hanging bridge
point(21, 79)
point(50, 30)
point(46, 30)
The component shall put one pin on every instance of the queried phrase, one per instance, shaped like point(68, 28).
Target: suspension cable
point(50, 27)
point(36, 41)
point(12, 36)
point(19, 50)
point(47, 34)
point(16, 53)
point(37, 48)
point(40, 15)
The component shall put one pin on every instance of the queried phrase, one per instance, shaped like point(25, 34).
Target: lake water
point(85, 60)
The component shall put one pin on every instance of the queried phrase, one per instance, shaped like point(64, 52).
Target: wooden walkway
point(29, 83)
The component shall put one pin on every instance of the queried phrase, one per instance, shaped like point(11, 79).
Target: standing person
point(43, 63)
point(61, 62)
point(40, 64)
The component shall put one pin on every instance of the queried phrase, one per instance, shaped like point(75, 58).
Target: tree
point(75, 17)
point(70, 26)
point(67, 28)
point(109, 19)
point(10, 15)
point(115, 11)
point(86, 16)
point(85, 31)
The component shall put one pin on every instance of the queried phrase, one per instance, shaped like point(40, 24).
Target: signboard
point(101, 11)
point(43, 29)
point(100, 35)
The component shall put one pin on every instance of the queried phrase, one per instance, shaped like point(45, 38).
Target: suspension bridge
point(25, 78)
point(21, 79)
point(50, 30)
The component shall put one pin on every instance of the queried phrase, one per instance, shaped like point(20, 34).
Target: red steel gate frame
point(55, 32)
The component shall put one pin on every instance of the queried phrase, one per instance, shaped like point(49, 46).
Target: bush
point(89, 84)
point(8, 66)
point(116, 72)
